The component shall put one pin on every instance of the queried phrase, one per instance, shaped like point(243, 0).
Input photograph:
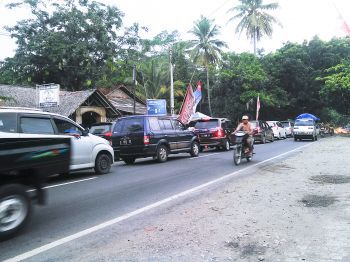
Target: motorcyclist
point(247, 128)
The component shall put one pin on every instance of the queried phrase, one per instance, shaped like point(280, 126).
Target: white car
point(88, 151)
point(278, 130)
point(305, 129)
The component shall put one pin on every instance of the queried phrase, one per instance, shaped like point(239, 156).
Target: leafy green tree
point(254, 19)
point(206, 48)
point(336, 89)
point(69, 42)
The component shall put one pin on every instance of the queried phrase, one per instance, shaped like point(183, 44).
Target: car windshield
point(100, 129)
point(272, 124)
point(207, 124)
point(304, 123)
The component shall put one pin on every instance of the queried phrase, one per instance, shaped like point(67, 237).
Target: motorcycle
point(239, 148)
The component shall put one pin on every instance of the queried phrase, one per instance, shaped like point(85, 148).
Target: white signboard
point(49, 95)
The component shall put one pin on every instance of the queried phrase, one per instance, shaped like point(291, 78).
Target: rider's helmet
point(245, 118)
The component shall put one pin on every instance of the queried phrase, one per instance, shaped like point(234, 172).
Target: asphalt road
point(85, 200)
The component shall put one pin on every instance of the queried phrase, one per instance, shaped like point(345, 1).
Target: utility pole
point(171, 84)
point(134, 84)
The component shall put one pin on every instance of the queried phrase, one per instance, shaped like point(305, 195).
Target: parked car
point(279, 131)
point(288, 125)
point(152, 136)
point(262, 131)
point(305, 129)
point(103, 130)
point(88, 151)
point(214, 132)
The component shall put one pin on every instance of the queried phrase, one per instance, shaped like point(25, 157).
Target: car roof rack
point(21, 108)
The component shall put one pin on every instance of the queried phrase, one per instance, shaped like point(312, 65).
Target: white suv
point(305, 129)
point(88, 151)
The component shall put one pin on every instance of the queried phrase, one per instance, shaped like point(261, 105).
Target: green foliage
point(336, 89)
point(67, 42)
point(206, 48)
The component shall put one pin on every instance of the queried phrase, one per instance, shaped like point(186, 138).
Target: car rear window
point(100, 129)
point(285, 124)
point(213, 123)
point(132, 125)
point(8, 123)
point(304, 123)
point(272, 124)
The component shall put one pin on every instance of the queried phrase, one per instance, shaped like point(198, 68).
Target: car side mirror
point(85, 132)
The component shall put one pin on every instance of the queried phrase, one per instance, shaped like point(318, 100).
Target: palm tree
point(206, 48)
point(254, 19)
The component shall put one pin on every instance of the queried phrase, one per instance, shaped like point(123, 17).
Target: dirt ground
point(297, 209)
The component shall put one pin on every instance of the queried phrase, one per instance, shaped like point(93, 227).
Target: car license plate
point(125, 142)
point(205, 135)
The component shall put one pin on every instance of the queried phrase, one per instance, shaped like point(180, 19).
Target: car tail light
point(146, 140)
point(108, 134)
point(219, 133)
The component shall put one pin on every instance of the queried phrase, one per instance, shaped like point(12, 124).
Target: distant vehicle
point(152, 136)
point(88, 151)
point(103, 130)
point(288, 125)
point(279, 131)
point(305, 129)
point(262, 131)
point(26, 163)
point(214, 133)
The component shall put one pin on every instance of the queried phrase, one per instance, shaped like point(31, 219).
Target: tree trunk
point(208, 87)
point(254, 39)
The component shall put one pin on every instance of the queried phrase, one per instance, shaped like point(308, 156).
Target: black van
point(152, 136)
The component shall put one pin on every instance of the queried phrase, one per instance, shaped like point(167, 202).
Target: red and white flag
point(257, 108)
point(186, 110)
point(345, 25)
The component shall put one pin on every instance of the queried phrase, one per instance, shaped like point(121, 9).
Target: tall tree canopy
point(69, 42)
point(254, 19)
point(206, 47)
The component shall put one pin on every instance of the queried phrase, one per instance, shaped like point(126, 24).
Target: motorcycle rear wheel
point(237, 155)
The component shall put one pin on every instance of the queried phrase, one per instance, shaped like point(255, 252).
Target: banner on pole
point(186, 110)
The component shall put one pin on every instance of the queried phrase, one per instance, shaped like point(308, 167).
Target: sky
point(301, 20)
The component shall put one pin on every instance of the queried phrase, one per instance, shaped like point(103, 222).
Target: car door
point(81, 153)
point(184, 135)
point(116, 136)
point(169, 132)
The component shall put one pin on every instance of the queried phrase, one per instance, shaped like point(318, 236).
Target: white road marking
point(64, 184)
point(111, 222)
point(193, 158)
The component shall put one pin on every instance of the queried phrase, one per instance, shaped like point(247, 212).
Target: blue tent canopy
point(307, 116)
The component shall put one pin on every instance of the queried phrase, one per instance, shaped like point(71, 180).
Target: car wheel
point(272, 138)
point(129, 160)
point(263, 139)
point(295, 139)
point(279, 136)
point(15, 210)
point(316, 138)
point(194, 149)
point(162, 154)
point(226, 146)
point(102, 164)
